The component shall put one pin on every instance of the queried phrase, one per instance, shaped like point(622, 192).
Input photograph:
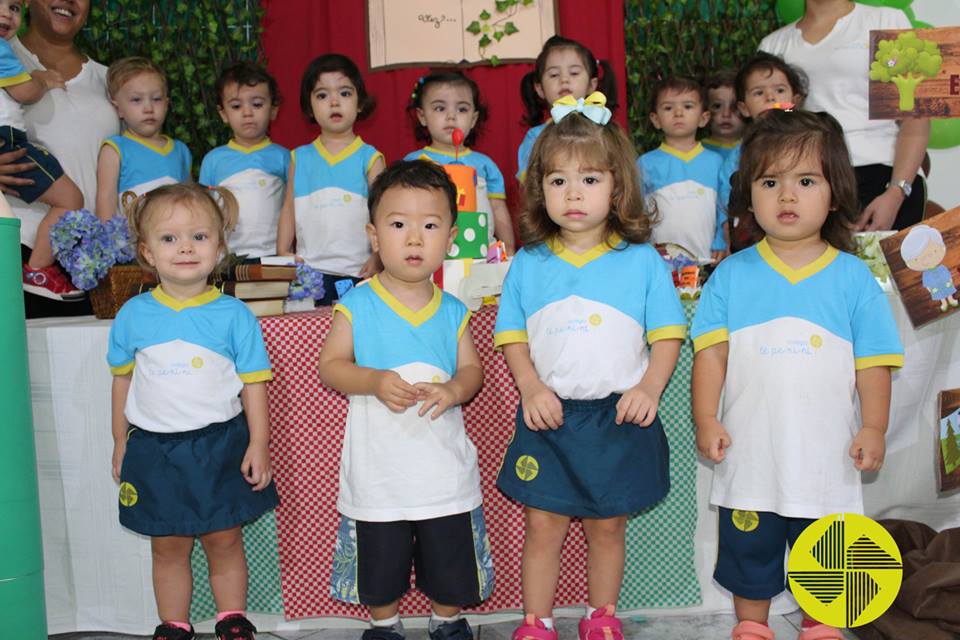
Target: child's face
point(564, 74)
point(791, 199)
point(142, 104)
point(412, 231)
point(679, 114)
point(334, 102)
point(11, 13)
point(183, 244)
point(447, 107)
point(577, 199)
point(725, 120)
point(931, 256)
point(248, 110)
point(764, 88)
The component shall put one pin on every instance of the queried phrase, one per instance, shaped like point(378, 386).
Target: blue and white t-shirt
point(796, 340)
point(12, 73)
point(729, 167)
point(723, 148)
point(257, 177)
point(144, 166)
point(330, 204)
point(526, 148)
point(489, 179)
point(189, 359)
point(587, 317)
point(682, 187)
point(400, 466)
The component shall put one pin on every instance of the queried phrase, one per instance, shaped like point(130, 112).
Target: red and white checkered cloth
point(308, 421)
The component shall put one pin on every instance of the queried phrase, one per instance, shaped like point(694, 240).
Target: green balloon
point(944, 134)
point(790, 10)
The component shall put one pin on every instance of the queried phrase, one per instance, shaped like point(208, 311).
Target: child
point(564, 67)
point(409, 481)
point(325, 207)
point(726, 123)
point(444, 101)
point(787, 329)
point(765, 81)
point(50, 185)
point(141, 158)
point(580, 303)
point(251, 166)
point(680, 177)
point(190, 423)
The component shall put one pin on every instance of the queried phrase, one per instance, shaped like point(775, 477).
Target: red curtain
point(296, 31)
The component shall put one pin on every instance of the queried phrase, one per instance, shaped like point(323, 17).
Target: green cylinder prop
point(22, 611)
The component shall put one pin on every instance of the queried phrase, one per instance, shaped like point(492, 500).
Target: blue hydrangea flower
point(308, 283)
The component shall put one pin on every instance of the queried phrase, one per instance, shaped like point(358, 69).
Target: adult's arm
point(9, 167)
point(911, 145)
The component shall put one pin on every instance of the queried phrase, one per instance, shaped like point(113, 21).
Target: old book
point(270, 307)
point(256, 289)
point(249, 272)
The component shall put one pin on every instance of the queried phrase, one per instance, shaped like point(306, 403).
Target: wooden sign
point(915, 72)
point(448, 32)
point(925, 263)
point(948, 440)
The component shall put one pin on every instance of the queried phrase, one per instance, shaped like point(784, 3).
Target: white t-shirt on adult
point(838, 68)
point(72, 124)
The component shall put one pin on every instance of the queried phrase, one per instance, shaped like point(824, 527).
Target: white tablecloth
point(98, 575)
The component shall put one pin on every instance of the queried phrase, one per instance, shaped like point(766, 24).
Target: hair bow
point(594, 107)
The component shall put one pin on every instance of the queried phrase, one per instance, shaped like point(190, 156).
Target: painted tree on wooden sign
point(906, 62)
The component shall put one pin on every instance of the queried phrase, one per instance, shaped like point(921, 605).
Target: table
point(98, 575)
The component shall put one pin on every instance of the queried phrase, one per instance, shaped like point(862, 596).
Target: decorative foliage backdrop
point(191, 40)
point(686, 37)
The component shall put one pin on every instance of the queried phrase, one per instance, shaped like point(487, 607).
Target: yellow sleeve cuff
point(509, 337)
point(374, 159)
point(670, 332)
point(709, 339)
point(892, 360)
point(20, 78)
point(112, 145)
point(346, 312)
point(463, 324)
point(497, 196)
point(256, 376)
point(123, 369)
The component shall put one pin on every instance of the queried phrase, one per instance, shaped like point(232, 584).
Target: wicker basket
point(122, 283)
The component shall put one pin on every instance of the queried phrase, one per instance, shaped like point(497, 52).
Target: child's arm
point(503, 224)
point(42, 80)
point(339, 371)
point(709, 372)
point(286, 228)
point(118, 421)
point(638, 404)
point(868, 448)
point(461, 387)
point(108, 180)
point(541, 406)
point(256, 461)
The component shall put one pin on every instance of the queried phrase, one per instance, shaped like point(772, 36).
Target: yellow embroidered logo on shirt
point(435, 379)
point(595, 319)
point(746, 521)
point(527, 468)
point(347, 197)
point(128, 494)
point(816, 341)
point(197, 362)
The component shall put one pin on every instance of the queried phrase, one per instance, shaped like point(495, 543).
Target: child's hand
point(868, 449)
point(718, 255)
point(256, 466)
point(119, 450)
point(712, 440)
point(49, 78)
point(638, 406)
point(371, 267)
point(435, 394)
point(395, 392)
point(541, 408)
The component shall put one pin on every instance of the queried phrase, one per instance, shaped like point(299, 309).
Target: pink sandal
point(601, 625)
point(533, 629)
point(749, 630)
point(821, 632)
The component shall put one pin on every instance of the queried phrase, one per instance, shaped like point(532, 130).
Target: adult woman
point(831, 43)
point(71, 123)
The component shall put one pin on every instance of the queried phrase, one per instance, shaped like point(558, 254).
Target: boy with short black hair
point(726, 122)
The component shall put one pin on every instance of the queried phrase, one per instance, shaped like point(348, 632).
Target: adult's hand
point(9, 167)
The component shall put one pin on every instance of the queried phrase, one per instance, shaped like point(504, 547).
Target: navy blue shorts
point(590, 467)
point(189, 483)
point(43, 175)
point(751, 551)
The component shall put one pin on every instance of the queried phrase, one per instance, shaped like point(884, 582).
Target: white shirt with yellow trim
point(796, 340)
point(189, 359)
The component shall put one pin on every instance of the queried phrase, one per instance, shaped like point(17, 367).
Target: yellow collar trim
point(164, 150)
point(236, 146)
point(344, 153)
point(717, 143)
point(686, 156)
point(792, 275)
point(167, 300)
point(464, 152)
point(580, 259)
point(416, 318)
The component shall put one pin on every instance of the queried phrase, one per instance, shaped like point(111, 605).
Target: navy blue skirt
point(590, 467)
point(189, 483)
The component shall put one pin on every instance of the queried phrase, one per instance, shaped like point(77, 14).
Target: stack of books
point(264, 288)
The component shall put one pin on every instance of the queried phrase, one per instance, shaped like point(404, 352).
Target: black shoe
point(235, 627)
point(382, 633)
point(457, 630)
point(169, 632)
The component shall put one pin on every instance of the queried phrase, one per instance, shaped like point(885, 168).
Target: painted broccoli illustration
point(906, 62)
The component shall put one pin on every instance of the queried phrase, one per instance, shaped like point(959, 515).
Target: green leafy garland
point(499, 28)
